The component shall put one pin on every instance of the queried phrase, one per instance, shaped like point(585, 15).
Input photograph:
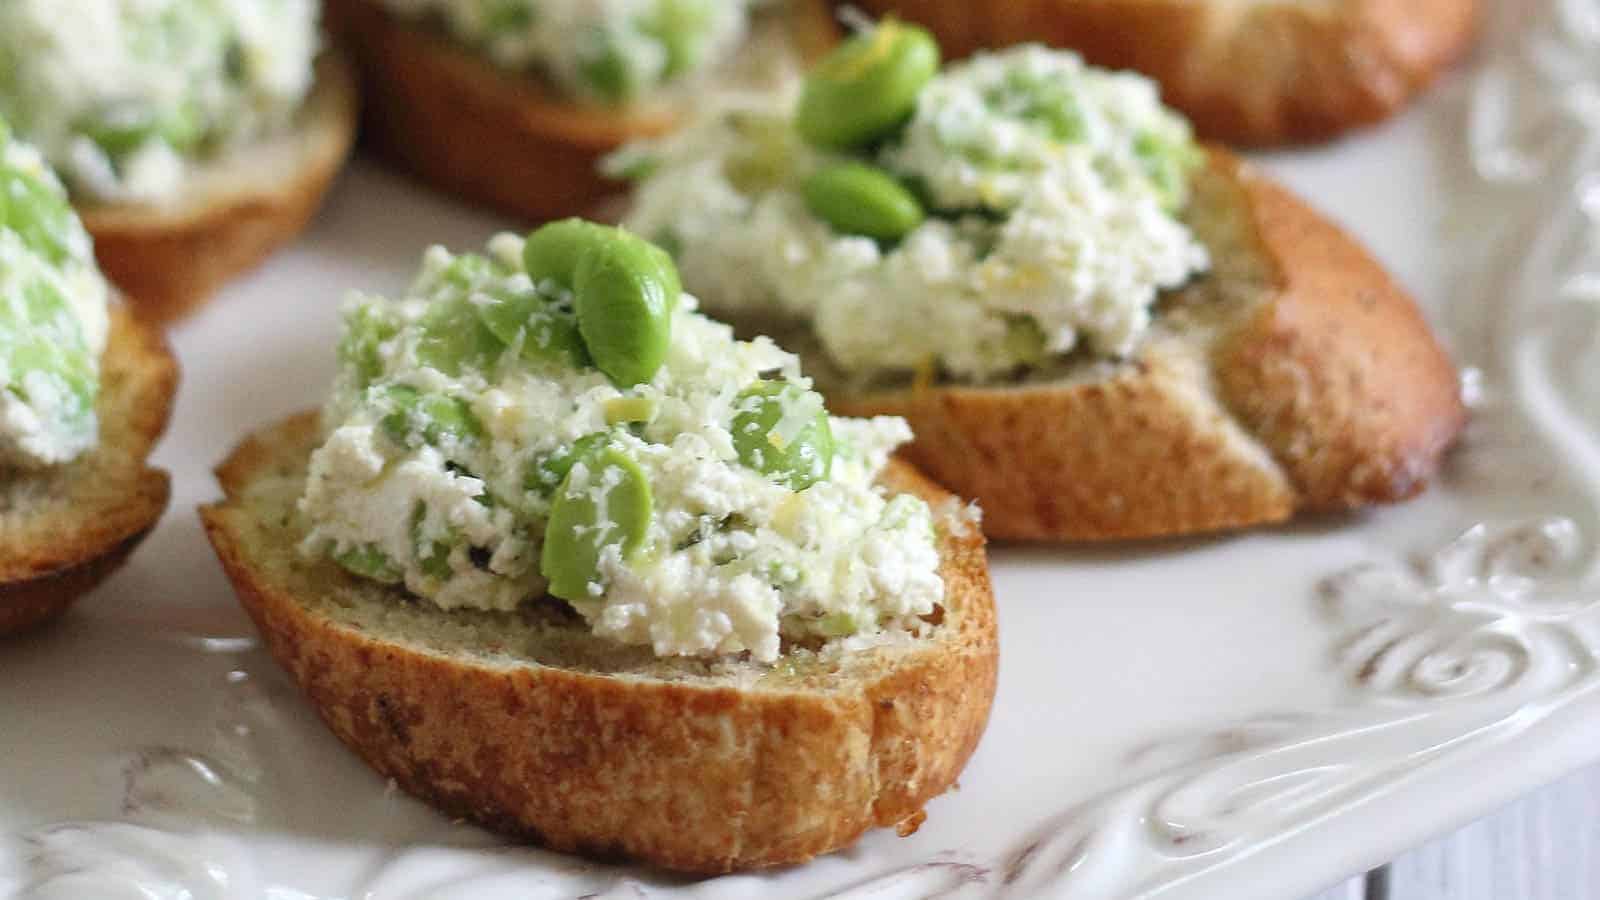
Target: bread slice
point(506, 140)
point(64, 529)
point(527, 723)
point(1295, 376)
point(1257, 73)
point(237, 211)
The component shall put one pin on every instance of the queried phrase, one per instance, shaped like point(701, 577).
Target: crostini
point(1097, 328)
point(194, 139)
point(1255, 74)
point(555, 518)
point(85, 391)
point(513, 112)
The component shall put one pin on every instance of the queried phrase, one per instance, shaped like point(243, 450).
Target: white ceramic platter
point(1253, 716)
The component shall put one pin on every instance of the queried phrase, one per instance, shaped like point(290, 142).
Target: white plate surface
point(1253, 716)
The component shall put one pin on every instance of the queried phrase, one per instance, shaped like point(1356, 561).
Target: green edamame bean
point(782, 430)
point(680, 26)
point(626, 291)
point(548, 333)
point(552, 252)
point(433, 557)
point(368, 561)
point(867, 88)
point(1169, 165)
point(624, 288)
point(39, 215)
point(609, 74)
point(1024, 341)
point(365, 331)
point(855, 198)
point(603, 503)
point(451, 338)
point(546, 474)
point(419, 419)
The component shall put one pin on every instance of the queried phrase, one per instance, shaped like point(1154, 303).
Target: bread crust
point(502, 140)
point(169, 260)
point(1330, 394)
point(95, 510)
point(690, 776)
point(1245, 73)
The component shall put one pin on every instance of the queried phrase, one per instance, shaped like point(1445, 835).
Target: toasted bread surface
point(529, 724)
point(502, 139)
point(1260, 73)
point(1295, 376)
point(239, 208)
point(64, 529)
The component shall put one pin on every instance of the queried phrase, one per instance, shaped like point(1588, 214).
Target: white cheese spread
point(453, 502)
point(613, 51)
point(53, 318)
point(1054, 191)
point(125, 96)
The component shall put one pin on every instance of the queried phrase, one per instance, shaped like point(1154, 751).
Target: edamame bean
point(867, 88)
point(626, 290)
point(1024, 341)
point(418, 419)
point(548, 332)
point(451, 338)
point(609, 74)
point(782, 430)
point(552, 252)
point(604, 502)
point(855, 198)
point(39, 216)
point(365, 331)
point(368, 561)
point(433, 557)
point(680, 25)
point(1169, 165)
point(546, 474)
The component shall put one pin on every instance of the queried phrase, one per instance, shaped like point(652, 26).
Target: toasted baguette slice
point(1259, 73)
point(64, 529)
point(1295, 376)
point(532, 726)
point(507, 140)
point(240, 208)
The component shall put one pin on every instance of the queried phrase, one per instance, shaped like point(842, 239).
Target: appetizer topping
point(124, 96)
point(989, 218)
point(613, 53)
point(52, 316)
point(556, 417)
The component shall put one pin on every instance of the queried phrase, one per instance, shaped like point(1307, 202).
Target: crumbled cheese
point(586, 47)
point(125, 96)
point(1053, 185)
point(53, 318)
point(733, 561)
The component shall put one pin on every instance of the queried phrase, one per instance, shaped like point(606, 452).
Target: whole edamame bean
point(605, 501)
point(782, 430)
point(626, 290)
point(416, 418)
point(866, 88)
point(856, 198)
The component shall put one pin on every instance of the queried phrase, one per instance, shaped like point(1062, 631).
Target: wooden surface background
point(1542, 847)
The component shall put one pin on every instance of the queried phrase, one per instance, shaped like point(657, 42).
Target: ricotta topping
point(611, 51)
point(125, 96)
point(733, 561)
point(53, 318)
point(1055, 191)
